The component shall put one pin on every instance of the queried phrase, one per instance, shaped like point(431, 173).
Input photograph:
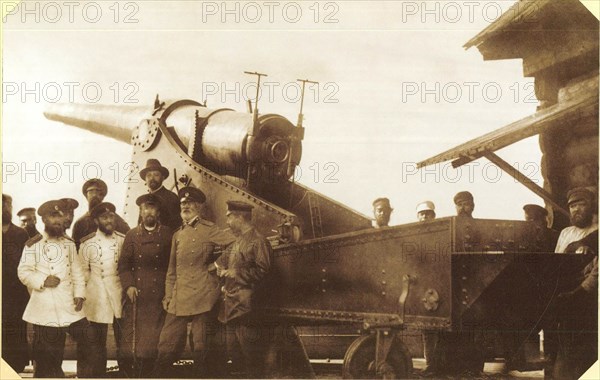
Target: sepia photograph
point(300, 189)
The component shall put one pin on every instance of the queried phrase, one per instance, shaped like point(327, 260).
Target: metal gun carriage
point(472, 276)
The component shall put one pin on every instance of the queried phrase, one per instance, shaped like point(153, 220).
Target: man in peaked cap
point(583, 214)
point(14, 294)
point(95, 191)
point(382, 212)
point(154, 174)
point(464, 204)
point(28, 220)
point(578, 308)
point(99, 254)
point(191, 292)
point(51, 271)
point(142, 270)
point(244, 267)
point(547, 237)
point(425, 211)
point(69, 205)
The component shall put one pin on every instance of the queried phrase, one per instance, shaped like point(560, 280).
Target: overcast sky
point(396, 87)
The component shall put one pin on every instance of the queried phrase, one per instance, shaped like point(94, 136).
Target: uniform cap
point(535, 210)
point(102, 209)
point(150, 199)
point(382, 201)
point(51, 208)
point(238, 206)
point(463, 196)
point(191, 194)
point(154, 164)
point(580, 194)
point(69, 203)
point(95, 182)
point(425, 206)
point(26, 210)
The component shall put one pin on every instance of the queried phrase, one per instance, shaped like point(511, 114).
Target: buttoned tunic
point(143, 265)
point(99, 255)
point(189, 288)
point(43, 256)
point(250, 256)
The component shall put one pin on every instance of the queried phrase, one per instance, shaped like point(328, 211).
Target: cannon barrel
point(257, 149)
point(112, 121)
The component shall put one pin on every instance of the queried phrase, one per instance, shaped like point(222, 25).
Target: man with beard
point(14, 294)
point(581, 203)
point(142, 269)
point(382, 212)
point(154, 174)
point(99, 255)
point(52, 273)
point(464, 204)
point(69, 205)
point(28, 220)
point(577, 309)
point(191, 292)
point(94, 191)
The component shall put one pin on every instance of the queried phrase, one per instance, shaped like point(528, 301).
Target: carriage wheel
point(359, 361)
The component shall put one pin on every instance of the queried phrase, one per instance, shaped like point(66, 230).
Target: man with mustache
point(94, 191)
point(99, 255)
point(69, 205)
point(154, 174)
point(14, 294)
point(28, 220)
point(142, 269)
point(577, 309)
point(584, 219)
point(52, 273)
point(191, 292)
point(382, 212)
point(464, 203)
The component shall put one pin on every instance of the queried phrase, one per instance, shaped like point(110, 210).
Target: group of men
point(571, 336)
point(149, 282)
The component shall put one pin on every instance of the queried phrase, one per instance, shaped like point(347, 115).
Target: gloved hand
point(51, 282)
point(78, 301)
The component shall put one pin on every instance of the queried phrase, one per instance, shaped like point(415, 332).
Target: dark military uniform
point(169, 209)
point(250, 256)
point(143, 264)
point(86, 225)
point(14, 300)
point(578, 317)
point(190, 293)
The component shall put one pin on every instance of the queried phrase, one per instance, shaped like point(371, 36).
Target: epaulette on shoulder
point(119, 234)
point(206, 222)
point(33, 240)
point(88, 237)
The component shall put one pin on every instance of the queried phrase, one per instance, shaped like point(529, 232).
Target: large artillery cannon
point(463, 275)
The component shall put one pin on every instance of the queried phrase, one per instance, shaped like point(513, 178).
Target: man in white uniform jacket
point(50, 270)
point(99, 254)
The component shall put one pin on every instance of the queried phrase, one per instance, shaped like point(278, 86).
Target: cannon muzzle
point(107, 120)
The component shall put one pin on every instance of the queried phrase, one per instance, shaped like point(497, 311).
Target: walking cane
point(135, 369)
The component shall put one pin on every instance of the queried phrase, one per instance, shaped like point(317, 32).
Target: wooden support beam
point(523, 179)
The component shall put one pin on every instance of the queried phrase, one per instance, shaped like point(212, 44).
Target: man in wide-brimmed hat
point(154, 175)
